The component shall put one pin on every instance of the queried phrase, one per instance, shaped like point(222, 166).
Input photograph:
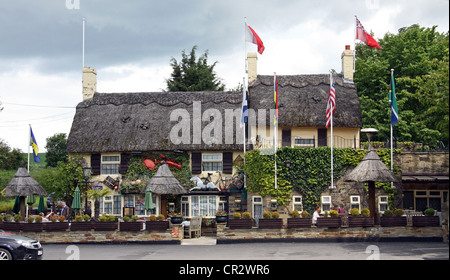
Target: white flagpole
point(29, 142)
point(82, 54)
point(243, 128)
point(331, 141)
point(392, 136)
point(276, 130)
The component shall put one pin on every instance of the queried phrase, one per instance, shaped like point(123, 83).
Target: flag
point(252, 37)
point(244, 112)
point(35, 147)
point(365, 37)
point(393, 101)
point(275, 99)
point(331, 104)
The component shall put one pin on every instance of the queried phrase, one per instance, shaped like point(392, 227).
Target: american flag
point(331, 104)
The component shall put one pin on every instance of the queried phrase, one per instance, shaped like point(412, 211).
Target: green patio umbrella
point(76, 203)
point(30, 200)
point(41, 207)
point(16, 208)
point(148, 205)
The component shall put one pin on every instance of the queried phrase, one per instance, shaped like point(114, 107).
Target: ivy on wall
point(309, 171)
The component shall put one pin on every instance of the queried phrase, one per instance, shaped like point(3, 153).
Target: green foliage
point(246, 215)
point(193, 75)
point(275, 215)
point(295, 214)
point(354, 212)
point(365, 212)
point(56, 149)
point(267, 215)
point(398, 212)
point(429, 212)
point(237, 215)
point(333, 213)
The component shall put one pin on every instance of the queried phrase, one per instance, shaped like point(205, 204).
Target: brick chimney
point(348, 63)
point(89, 82)
point(252, 59)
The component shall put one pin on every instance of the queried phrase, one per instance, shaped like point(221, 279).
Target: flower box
point(80, 226)
point(425, 221)
point(270, 223)
point(32, 227)
point(56, 226)
point(156, 225)
point(12, 226)
point(299, 222)
point(360, 221)
point(221, 219)
point(393, 221)
point(328, 222)
point(176, 220)
point(240, 223)
point(130, 226)
point(105, 226)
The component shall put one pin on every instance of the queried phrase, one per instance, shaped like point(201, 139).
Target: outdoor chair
point(195, 226)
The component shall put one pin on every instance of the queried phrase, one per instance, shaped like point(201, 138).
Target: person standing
point(65, 210)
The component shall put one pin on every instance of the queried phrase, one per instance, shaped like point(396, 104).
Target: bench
point(195, 226)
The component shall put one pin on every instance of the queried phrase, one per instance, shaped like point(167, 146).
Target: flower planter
point(130, 226)
point(328, 222)
point(221, 219)
point(425, 221)
point(393, 221)
point(240, 223)
point(299, 222)
point(270, 223)
point(56, 226)
point(32, 227)
point(105, 226)
point(12, 226)
point(80, 226)
point(360, 221)
point(156, 225)
point(176, 220)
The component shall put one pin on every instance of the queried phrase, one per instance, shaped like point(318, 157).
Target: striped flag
point(331, 104)
point(34, 146)
point(393, 101)
point(275, 99)
point(252, 37)
point(362, 35)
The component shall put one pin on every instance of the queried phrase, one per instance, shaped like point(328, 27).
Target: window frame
point(323, 203)
point(218, 161)
point(115, 164)
point(298, 204)
point(355, 203)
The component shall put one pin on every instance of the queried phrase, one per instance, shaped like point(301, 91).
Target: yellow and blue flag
point(35, 147)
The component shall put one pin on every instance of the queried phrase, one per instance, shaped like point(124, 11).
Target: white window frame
point(211, 208)
point(297, 205)
point(105, 161)
point(210, 159)
point(254, 202)
point(381, 202)
point(356, 202)
point(323, 199)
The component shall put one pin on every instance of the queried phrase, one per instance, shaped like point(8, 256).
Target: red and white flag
point(331, 104)
point(365, 37)
point(252, 37)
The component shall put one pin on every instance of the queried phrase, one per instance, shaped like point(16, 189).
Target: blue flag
point(393, 101)
point(35, 147)
point(244, 112)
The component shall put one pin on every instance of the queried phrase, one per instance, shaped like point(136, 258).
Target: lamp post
point(87, 175)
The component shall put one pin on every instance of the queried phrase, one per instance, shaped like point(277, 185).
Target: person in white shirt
point(316, 215)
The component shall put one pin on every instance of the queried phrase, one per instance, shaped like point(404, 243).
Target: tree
point(420, 59)
point(9, 159)
point(56, 149)
point(193, 74)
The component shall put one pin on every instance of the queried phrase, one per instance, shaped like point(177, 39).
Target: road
point(253, 251)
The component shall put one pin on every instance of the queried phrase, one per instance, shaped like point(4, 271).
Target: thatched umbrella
point(22, 185)
point(371, 169)
point(164, 183)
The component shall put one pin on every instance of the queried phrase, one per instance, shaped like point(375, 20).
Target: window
point(428, 199)
point(201, 205)
point(297, 203)
point(302, 142)
point(212, 162)
point(138, 202)
point(355, 202)
point(326, 203)
point(110, 164)
point(222, 202)
point(382, 203)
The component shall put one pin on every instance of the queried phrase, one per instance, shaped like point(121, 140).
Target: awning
point(425, 178)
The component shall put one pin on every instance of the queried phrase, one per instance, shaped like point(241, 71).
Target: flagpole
point(354, 45)
point(275, 128)
point(29, 140)
point(243, 129)
point(331, 141)
point(82, 54)
point(392, 136)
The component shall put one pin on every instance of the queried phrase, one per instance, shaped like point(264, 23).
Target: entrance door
point(322, 137)
point(257, 209)
point(286, 137)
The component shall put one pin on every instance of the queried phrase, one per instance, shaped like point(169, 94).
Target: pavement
point(203, 240)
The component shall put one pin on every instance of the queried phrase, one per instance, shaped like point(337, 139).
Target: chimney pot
point(89, 82)
point(348, 63)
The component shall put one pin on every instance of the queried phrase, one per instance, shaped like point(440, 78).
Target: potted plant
point(393, 218)
point(57, 224)
point(297, 222)
point(239, 221)
point(130, 224)
point(355, 220)
point(157, 223)
point(33, 224)
point(12, 223)
point(221, 217)
point(175, 217)
point(334, 221)
point(106, 223)
point(429, 220)
point(81, 223)
point(271, 221)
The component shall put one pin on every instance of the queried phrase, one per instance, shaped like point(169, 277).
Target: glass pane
point(383, 207)
point(194, 204)
point(139, 204)
point(110, 168)
point(203, 206)
point(117, 205)
point(435, 203)
point(326, 207)
point(212, 206)
point(212, 157)
point(110, 158)
point(108, 208)
point(421, 204)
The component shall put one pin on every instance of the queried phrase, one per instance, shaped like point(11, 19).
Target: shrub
point(365, 212)
point(1, 218)
point(304, 214)
point(267, 215)
point(62, 218)
point(78, 219)
point(295, 214)
point(17, 218)
point(8, 218)
point(354, 212)
point(333, 213)
point(134, 218)
point(275, 215)
point(126, 219)
point(86, 218)
point(152, 218)
point(398, 212)
point(429, 212)
point(388, 213)
point(326, 214)
point(246, 215)
point(38, 219)
point(111, 218)
point(160, 217)
point(30, 219)
point(237, 215)
point(103, 219)
point(53, 218)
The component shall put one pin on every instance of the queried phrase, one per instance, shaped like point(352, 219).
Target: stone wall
point(424, 163)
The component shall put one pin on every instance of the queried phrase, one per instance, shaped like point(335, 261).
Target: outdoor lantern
point(273, 204)
point(288, 163)
point(238, 204)
point(86, 171)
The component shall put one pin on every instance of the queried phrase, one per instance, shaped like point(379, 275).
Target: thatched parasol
point(22, 185)
point(163, 182)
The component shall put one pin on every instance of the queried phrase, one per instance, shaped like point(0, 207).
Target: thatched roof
point(163, 182)
point(132, 122)
point(23, 185)
point(302, 100)
point(372, 169)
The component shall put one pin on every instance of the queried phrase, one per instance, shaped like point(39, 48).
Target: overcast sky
point(130, 44)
